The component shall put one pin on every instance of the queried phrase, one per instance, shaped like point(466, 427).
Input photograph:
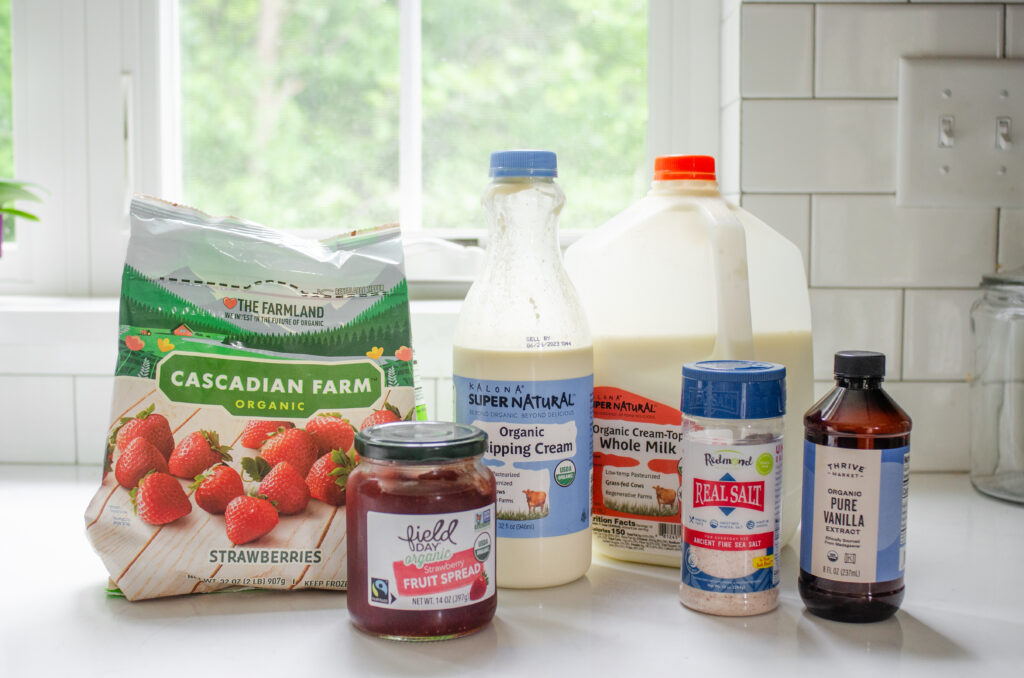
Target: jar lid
point(421, 441)
point(1014, 277)
point(734, 389)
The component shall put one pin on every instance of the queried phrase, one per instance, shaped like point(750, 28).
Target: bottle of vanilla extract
point(854, 521)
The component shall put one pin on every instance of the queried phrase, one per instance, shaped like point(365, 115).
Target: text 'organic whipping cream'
point(681, 276)
point(523, 365)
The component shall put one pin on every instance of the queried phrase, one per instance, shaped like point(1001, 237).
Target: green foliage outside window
point(290, 109)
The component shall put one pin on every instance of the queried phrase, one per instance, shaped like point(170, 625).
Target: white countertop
point(963, 613)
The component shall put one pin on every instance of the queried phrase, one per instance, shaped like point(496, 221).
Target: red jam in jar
point(421, 531)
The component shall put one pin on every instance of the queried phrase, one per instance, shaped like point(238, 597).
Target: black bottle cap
point(860, 364)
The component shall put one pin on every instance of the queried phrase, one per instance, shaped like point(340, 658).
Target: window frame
point(97, 117)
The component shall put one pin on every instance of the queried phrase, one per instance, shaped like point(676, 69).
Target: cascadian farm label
point(247, 361)
point(247, 386)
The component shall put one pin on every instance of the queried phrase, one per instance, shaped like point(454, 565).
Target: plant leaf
point(256, 468)
point(19, 213)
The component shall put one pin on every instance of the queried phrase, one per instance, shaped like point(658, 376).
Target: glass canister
point(997, 387)
point(421, 531)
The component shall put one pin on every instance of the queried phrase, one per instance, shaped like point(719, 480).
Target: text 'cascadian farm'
point(228, 382)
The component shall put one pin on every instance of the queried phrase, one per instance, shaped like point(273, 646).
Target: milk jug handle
point(734, 338)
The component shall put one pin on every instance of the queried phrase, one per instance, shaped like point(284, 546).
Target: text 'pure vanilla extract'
point(856, 471)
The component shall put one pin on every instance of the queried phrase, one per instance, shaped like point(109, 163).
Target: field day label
point(253, 387)
point(430, 561)
point(540, 449)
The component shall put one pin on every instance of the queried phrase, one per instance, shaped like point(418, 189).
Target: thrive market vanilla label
point(854, 513)
point(637, 446)
point(430, 562)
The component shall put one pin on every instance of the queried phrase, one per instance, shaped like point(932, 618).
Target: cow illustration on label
point(535, 500)
point(665, 496)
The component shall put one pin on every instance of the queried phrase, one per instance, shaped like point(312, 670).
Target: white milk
point(655, 301)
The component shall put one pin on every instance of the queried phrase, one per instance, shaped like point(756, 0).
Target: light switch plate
point(951, 112)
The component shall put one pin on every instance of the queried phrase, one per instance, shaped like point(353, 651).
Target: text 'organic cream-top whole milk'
point(677, 277)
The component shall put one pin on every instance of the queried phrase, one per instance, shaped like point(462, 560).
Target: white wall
point(809, 145)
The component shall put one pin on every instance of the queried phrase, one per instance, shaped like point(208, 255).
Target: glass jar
point(421, 543)
point(997, 387)
point(731, 488)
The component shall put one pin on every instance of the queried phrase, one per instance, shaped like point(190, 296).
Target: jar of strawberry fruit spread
point(421, 531)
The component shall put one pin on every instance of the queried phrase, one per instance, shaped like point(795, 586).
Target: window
point(303, 115)
point(291, 111)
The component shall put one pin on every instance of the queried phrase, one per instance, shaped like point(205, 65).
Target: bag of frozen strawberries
point(247, 359)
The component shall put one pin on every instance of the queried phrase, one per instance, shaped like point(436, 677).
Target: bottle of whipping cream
point(523, 364)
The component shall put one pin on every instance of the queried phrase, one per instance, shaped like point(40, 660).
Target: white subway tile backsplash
point(829, 146)
point(729, 86)
point(867, 320)
point(858, 46)
point(790, 215)
point(445, 400)
point(729, 163)
point(867, 241)
point(1011, 239)
point(93, 396)
point(433, 333)
point(777, 50)
point(937, 334)
point(940, 439)
point(1014, 32)
point(37, 416)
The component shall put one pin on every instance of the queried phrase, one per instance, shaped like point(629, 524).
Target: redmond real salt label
point(854, 513)
point(732, 517)
point(539, 449)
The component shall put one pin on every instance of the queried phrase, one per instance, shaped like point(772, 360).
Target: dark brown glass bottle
point(853, 534)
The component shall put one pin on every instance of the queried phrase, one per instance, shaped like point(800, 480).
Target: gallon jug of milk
point(678, 277)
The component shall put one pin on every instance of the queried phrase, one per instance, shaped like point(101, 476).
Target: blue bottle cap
point(734, 389)
point(524, 163)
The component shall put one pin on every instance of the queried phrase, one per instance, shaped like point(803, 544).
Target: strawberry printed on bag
point(331, 431)
point(329, 476)
point(197, 452)
point(159, 499)
point(215, 487)
point(257, 430)
point(293, 445)
point(249, 518)
point(281, 484)
point(386, 414)
point(140, 458)
point(146, 424)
